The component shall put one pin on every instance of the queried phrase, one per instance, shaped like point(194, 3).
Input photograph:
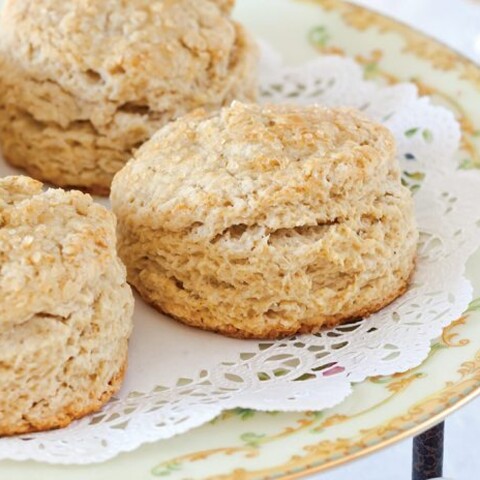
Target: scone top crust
point(54, 246)
point(138, 55)
point(270, 166)
point(225, 5)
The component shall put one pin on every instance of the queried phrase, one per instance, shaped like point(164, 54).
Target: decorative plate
point(244, 444)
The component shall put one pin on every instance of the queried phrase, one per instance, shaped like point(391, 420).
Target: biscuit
point(65, 307)
point(83, 84)
point(266, 221)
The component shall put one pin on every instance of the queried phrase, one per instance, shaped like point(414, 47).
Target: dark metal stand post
point(427, 458)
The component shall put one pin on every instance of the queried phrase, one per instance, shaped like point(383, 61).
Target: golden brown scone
point(65, 307)
point(265, 221)
point(225, 5)
point(82, 84)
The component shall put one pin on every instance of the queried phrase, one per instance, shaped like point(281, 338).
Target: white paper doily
point(179, 378)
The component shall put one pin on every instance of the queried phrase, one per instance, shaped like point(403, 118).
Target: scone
point(84, 83)
point(265, 221)
point(65, 307)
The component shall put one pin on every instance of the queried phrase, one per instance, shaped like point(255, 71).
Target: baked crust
point(97, 190)
point(69, 414)
point(265, 221)
point(65, 307)
point(83, 84)
point(314, 326)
